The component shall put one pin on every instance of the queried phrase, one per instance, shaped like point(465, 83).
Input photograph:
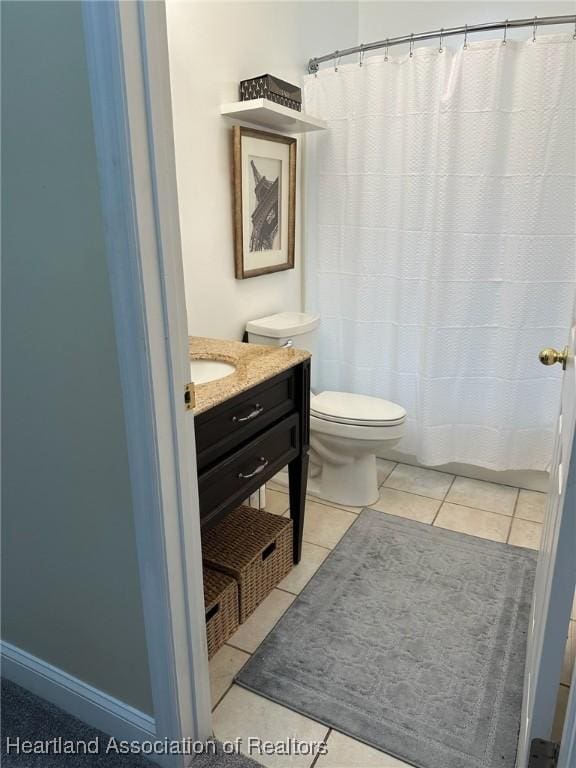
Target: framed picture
point(264, 202)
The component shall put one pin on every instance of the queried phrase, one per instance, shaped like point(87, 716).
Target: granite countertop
point(254, 364)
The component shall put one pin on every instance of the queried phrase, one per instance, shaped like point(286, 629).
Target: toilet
point(347, 430)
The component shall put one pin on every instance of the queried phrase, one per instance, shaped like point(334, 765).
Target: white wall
point(212, 46)
point(70, 583)
point(379, 19)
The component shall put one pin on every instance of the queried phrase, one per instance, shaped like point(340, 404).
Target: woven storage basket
point(255, 548)
point(221, 606)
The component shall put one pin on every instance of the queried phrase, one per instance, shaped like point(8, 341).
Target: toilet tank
point(285, 329)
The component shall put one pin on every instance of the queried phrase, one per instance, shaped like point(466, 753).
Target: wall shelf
point(267, 114)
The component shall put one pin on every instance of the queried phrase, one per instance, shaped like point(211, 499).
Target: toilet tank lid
point(284, 324)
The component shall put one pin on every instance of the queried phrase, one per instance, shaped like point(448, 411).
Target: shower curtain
point(440, 241)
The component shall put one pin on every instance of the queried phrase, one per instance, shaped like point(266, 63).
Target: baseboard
point(92, 706)
point(529, 479)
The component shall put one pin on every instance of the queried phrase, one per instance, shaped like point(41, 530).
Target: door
point(556, 570)
point(127, 58)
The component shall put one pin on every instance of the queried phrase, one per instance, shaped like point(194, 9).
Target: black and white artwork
point(265, 190)
point(264, 202)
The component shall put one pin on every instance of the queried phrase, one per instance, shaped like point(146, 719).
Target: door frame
point(127, 55)
point(567, 754)
point(554, 583)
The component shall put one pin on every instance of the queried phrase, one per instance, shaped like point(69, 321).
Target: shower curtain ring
point(361, 54)
point(411, 44)
point(386, 50)
point(574, 35)
point(534, 29)
point(440, 49)
point(465, 36)
point(505, 32)
point(336, 60)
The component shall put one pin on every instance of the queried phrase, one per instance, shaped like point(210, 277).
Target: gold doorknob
point(549, 356)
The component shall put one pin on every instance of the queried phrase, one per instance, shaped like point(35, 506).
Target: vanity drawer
point(221, 429)
point(231, 481)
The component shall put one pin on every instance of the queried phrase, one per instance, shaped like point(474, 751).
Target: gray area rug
point(411, 639)
point(28, 717)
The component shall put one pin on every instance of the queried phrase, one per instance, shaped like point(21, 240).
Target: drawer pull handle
point(259, 468)
point(212, 612)
point(252, 415)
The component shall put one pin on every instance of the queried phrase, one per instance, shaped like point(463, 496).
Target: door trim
point(567, 754)
point(127, 56)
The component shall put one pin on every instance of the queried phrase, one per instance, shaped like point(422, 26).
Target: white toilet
point(346, 430)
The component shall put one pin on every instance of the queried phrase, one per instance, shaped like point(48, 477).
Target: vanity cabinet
point(245, 440)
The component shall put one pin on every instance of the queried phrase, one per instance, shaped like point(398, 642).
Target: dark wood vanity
point(247, 438)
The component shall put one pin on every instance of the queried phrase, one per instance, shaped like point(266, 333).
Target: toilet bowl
point(347, 430)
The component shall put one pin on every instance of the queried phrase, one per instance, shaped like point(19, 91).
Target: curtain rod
point(313, 64)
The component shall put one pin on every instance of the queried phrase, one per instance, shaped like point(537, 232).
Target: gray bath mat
point(411, 639)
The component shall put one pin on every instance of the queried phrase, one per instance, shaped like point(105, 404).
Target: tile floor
point(473, 507)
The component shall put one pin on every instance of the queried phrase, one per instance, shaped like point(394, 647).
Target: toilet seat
point(356, 410)
point(374, 433)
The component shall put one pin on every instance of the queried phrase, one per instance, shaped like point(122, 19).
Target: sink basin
point(202, 371)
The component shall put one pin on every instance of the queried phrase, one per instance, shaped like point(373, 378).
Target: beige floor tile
point(384, 467)
point(407, 505)
point(426, 482)
point(247, 716)
point(324, 525)
point(333, 504)
point(560, 713)
point(531, 506)
point(479, 494)
point(569, 655)
point(344, 752)
point(300, 575)
point(250, 634)
point(525, 534)
point(224, 665)
point(276, 502)
point(475, 522)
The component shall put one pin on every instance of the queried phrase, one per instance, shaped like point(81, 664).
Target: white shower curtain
point(440, 241)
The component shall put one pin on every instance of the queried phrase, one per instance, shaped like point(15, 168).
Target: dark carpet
point(27, 717)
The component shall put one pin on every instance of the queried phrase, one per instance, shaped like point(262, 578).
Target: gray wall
point(71, 592)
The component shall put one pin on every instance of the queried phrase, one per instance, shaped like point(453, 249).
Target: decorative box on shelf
point(273, 89)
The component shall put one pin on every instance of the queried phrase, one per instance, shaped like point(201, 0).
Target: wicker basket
point(221, 606)
point(255, 548)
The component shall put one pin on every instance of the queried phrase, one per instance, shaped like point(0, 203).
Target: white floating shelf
point(268, 114)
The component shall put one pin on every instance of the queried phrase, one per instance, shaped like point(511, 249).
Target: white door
point(555, 573)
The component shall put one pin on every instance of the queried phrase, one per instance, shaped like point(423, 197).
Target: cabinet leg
point(298, 478)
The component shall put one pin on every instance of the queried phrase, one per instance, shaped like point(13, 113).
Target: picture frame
point(264, 166)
